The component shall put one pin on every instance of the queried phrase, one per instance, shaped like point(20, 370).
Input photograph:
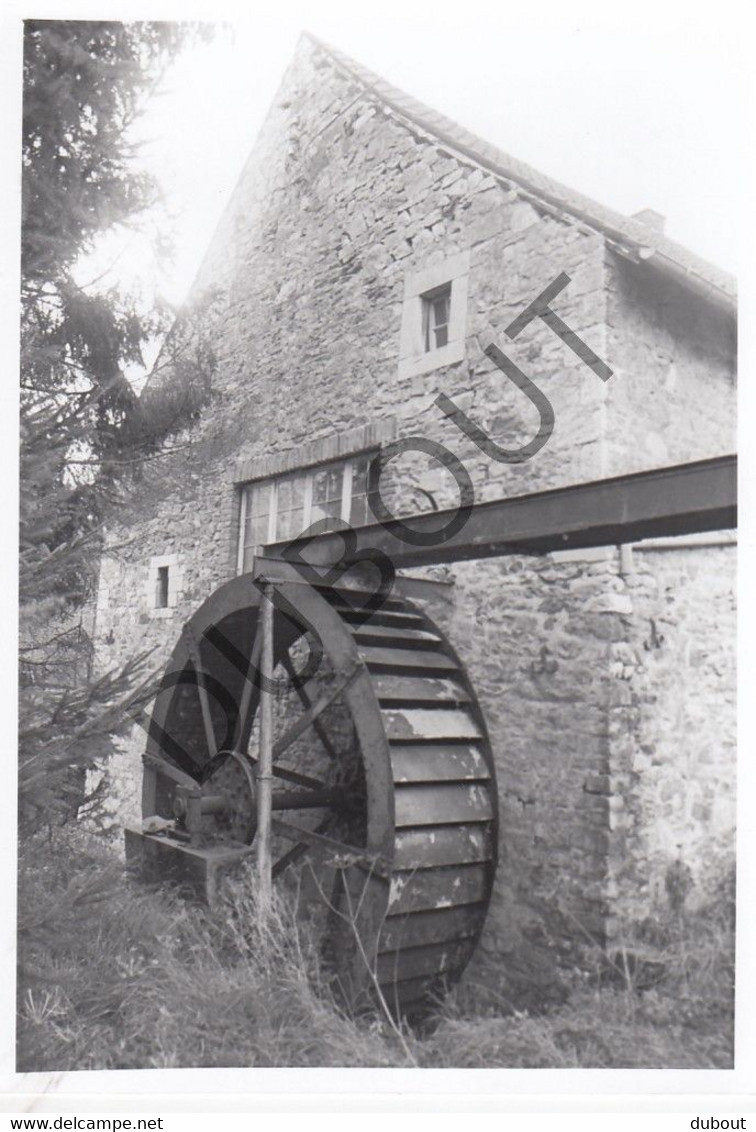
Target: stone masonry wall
point(672, 701)
point(672, 733)
point(339, 201)
point(535, 635)
point(672, 397)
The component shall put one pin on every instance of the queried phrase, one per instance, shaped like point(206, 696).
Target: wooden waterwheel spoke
point(250, 692)
point(207, 719)
point(249, 667)
point(297, 851)
point(343, 855)
point(169, 771)
point(293, 776)
point(306, 701)
point(313, 712)
point(334, 799)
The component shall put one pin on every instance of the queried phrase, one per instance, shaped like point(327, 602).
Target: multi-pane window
point(282, 508)
point(436, 309)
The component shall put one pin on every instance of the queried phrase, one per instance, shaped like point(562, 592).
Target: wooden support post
point(265, 761)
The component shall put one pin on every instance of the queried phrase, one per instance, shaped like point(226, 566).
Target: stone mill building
point(371, 250)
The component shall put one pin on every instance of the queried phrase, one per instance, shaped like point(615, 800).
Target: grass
point(116, 975)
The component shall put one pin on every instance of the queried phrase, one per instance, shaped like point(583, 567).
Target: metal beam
point(678, 500)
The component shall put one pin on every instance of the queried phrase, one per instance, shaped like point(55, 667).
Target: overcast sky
point(633, 107)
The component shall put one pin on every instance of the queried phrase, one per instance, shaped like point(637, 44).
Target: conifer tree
point(84, 430)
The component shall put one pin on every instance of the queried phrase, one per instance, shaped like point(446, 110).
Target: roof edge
point(629, 237)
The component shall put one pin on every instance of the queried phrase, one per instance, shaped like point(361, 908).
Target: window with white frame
point(434, 316)
point(284, 506)
point(435, 312)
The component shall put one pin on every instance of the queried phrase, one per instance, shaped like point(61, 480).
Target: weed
point(114, 974)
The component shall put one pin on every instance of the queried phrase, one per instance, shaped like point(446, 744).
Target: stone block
point(611, 603)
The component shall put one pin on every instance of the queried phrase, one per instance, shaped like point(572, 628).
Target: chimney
point(651, 219)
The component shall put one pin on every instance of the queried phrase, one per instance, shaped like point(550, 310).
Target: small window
point(161, 588)
point(436, 309)
point(163, 585)
point(434, 316)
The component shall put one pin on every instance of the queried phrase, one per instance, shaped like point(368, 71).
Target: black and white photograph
point(378, 539)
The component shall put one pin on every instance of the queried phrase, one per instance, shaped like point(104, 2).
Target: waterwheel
point(383, 793)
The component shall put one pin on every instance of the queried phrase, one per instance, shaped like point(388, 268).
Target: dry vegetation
point(115, 975)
